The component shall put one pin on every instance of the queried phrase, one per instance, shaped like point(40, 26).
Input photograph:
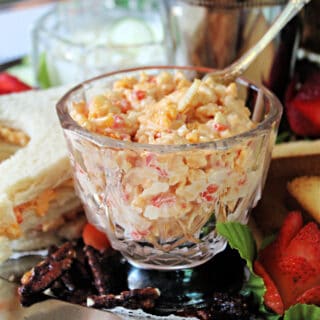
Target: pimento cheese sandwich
point(37, 198)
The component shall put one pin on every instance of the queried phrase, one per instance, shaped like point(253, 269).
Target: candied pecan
point(40, 277)
point(104, 301)
point(100, 277)
point(63, 252)
point(133, 299)
point(78, 295)
point(68, 282)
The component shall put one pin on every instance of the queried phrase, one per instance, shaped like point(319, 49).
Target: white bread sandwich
point(37, 198)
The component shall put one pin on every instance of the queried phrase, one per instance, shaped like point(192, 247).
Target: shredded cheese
point(13, 136)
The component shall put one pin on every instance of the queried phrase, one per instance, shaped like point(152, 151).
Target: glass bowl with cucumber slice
point(75, 41)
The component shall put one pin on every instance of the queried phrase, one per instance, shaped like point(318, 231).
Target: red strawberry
point(299, 124)
point(275, 250)
point(311, 296)
point(272, 298)
point(294, 276)
point(306, 244)
point(303, 106)
point(310, 109)
point(10, 84)
point(290, 227)
point(292, 262)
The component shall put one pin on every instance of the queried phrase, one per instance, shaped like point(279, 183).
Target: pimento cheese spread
point(165, 109)
point(167, 198)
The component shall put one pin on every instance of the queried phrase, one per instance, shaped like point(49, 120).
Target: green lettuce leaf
point(240, 238)
point(302, 311)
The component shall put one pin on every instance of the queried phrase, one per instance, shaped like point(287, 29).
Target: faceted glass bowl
point(209, 182)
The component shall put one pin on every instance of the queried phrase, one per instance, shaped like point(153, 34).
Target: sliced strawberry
point(270, 255)
point(10, 84)
point(306, 244)
point(294, 276)
point(272, 297)
point(311, 296)
point(292, 261)
point(275, 250)
point(290, 227)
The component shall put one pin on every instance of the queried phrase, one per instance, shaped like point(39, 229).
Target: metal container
point(215, 33)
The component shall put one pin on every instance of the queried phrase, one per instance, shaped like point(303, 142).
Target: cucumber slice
point(130, 31)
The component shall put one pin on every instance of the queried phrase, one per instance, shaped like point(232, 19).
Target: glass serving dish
point(210, 182)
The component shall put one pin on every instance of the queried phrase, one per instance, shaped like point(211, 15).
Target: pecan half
point(40, 277)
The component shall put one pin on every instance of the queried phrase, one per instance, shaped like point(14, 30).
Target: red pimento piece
point(150, 158)
point(212, 188)
point(152, 79)
point(163, 199)
point(95, 238)
point(11, 84)
point(242, 181)
point(151, 162)
point(139, 235)
point(125, 105)
point(161, 172)
point(118, 122)
point(208, 193)
point(220, 127)
point(19, 216)
point(140, 94)
point(206, 196)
